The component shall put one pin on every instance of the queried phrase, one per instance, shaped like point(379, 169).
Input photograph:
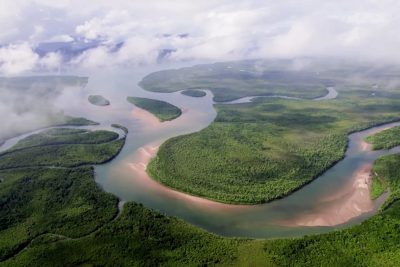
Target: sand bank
point(352, 201)
point(139, 166)
point(364, 146)
point(148, 119)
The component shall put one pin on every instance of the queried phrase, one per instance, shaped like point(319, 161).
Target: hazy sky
point(207, 29)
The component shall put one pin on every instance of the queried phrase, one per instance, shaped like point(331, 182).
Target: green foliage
point(232, 80)
point(63, 136)
point(386, 139)
point(263, 150)
point(98, 100)
point(378, 187)
point(70, 155)
point(162, 110)
point(194, 93)
point(54, 199)
point(141, 237)
point(138, 237)
point(386, 171)
point(119, 126)
point(72, 121)
point(60, 201)
point(375, 242)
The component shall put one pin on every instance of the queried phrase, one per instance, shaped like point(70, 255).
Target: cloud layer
point(145, 32)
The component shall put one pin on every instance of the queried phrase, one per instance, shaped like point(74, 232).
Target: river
point(280, 218)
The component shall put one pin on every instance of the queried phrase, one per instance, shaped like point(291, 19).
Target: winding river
point(312, 209)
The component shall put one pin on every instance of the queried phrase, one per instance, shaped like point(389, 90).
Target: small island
point(162, 110)
point(194, 93)
point(98, 100)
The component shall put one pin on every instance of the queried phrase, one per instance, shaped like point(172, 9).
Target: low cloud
point(20, 58)
point(28, 103)
point(212, 30)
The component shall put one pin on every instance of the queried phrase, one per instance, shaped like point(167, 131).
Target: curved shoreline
point(331, 94)
point(350, 202)
point(117, 177)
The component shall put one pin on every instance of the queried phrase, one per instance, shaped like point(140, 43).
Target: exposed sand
point(349, 202)
point(364, 146)
point(148, 119)
point(139, 166)
point(353, 200)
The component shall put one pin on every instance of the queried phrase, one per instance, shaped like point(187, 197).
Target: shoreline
point(149, 120)
point(340, 207)
point(139, 170)
point(350, 202)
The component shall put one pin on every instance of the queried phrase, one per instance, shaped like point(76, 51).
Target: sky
point(45, 35)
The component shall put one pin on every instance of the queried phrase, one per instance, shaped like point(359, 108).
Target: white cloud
point(20, 58)
point(218, 29)
point(50, 62)
point(64, 38)
point(15, 59)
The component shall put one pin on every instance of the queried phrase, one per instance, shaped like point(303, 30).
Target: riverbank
point(138, 167)
point(352, 201)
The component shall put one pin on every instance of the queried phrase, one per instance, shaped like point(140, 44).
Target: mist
point(42, 35)
point(354, 41)
point(30, 103)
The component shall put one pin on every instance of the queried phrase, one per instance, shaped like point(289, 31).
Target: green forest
point(162, 110)
point(41, 193)
point(232, 80)
point(142, 237)
point(260, 151)
point(98, 100)
point(194, 93)
point(52, 212)
point(386, 139)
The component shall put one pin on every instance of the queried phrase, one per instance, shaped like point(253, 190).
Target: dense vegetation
point(73, 121)
point(123, 128)
point(162, 110)
point(62, 218)
point(72, 222)
point(264, 150)
point(64, 155)
point(62, 136)
point(141, 237)
point(302, 78)
point(58, 201)
point(194, 93)
point(37, 198)
point(232, 80)
point(386, 139)
point(375, 242)
point(98, 100)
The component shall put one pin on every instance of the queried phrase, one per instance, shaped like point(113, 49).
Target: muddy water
point(126, 177)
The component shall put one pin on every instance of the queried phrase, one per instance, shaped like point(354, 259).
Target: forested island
point(78, 222)
point(54, 214)
point(164, 111)
point(194, 93)
point(98, 100)
point(268, 148)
